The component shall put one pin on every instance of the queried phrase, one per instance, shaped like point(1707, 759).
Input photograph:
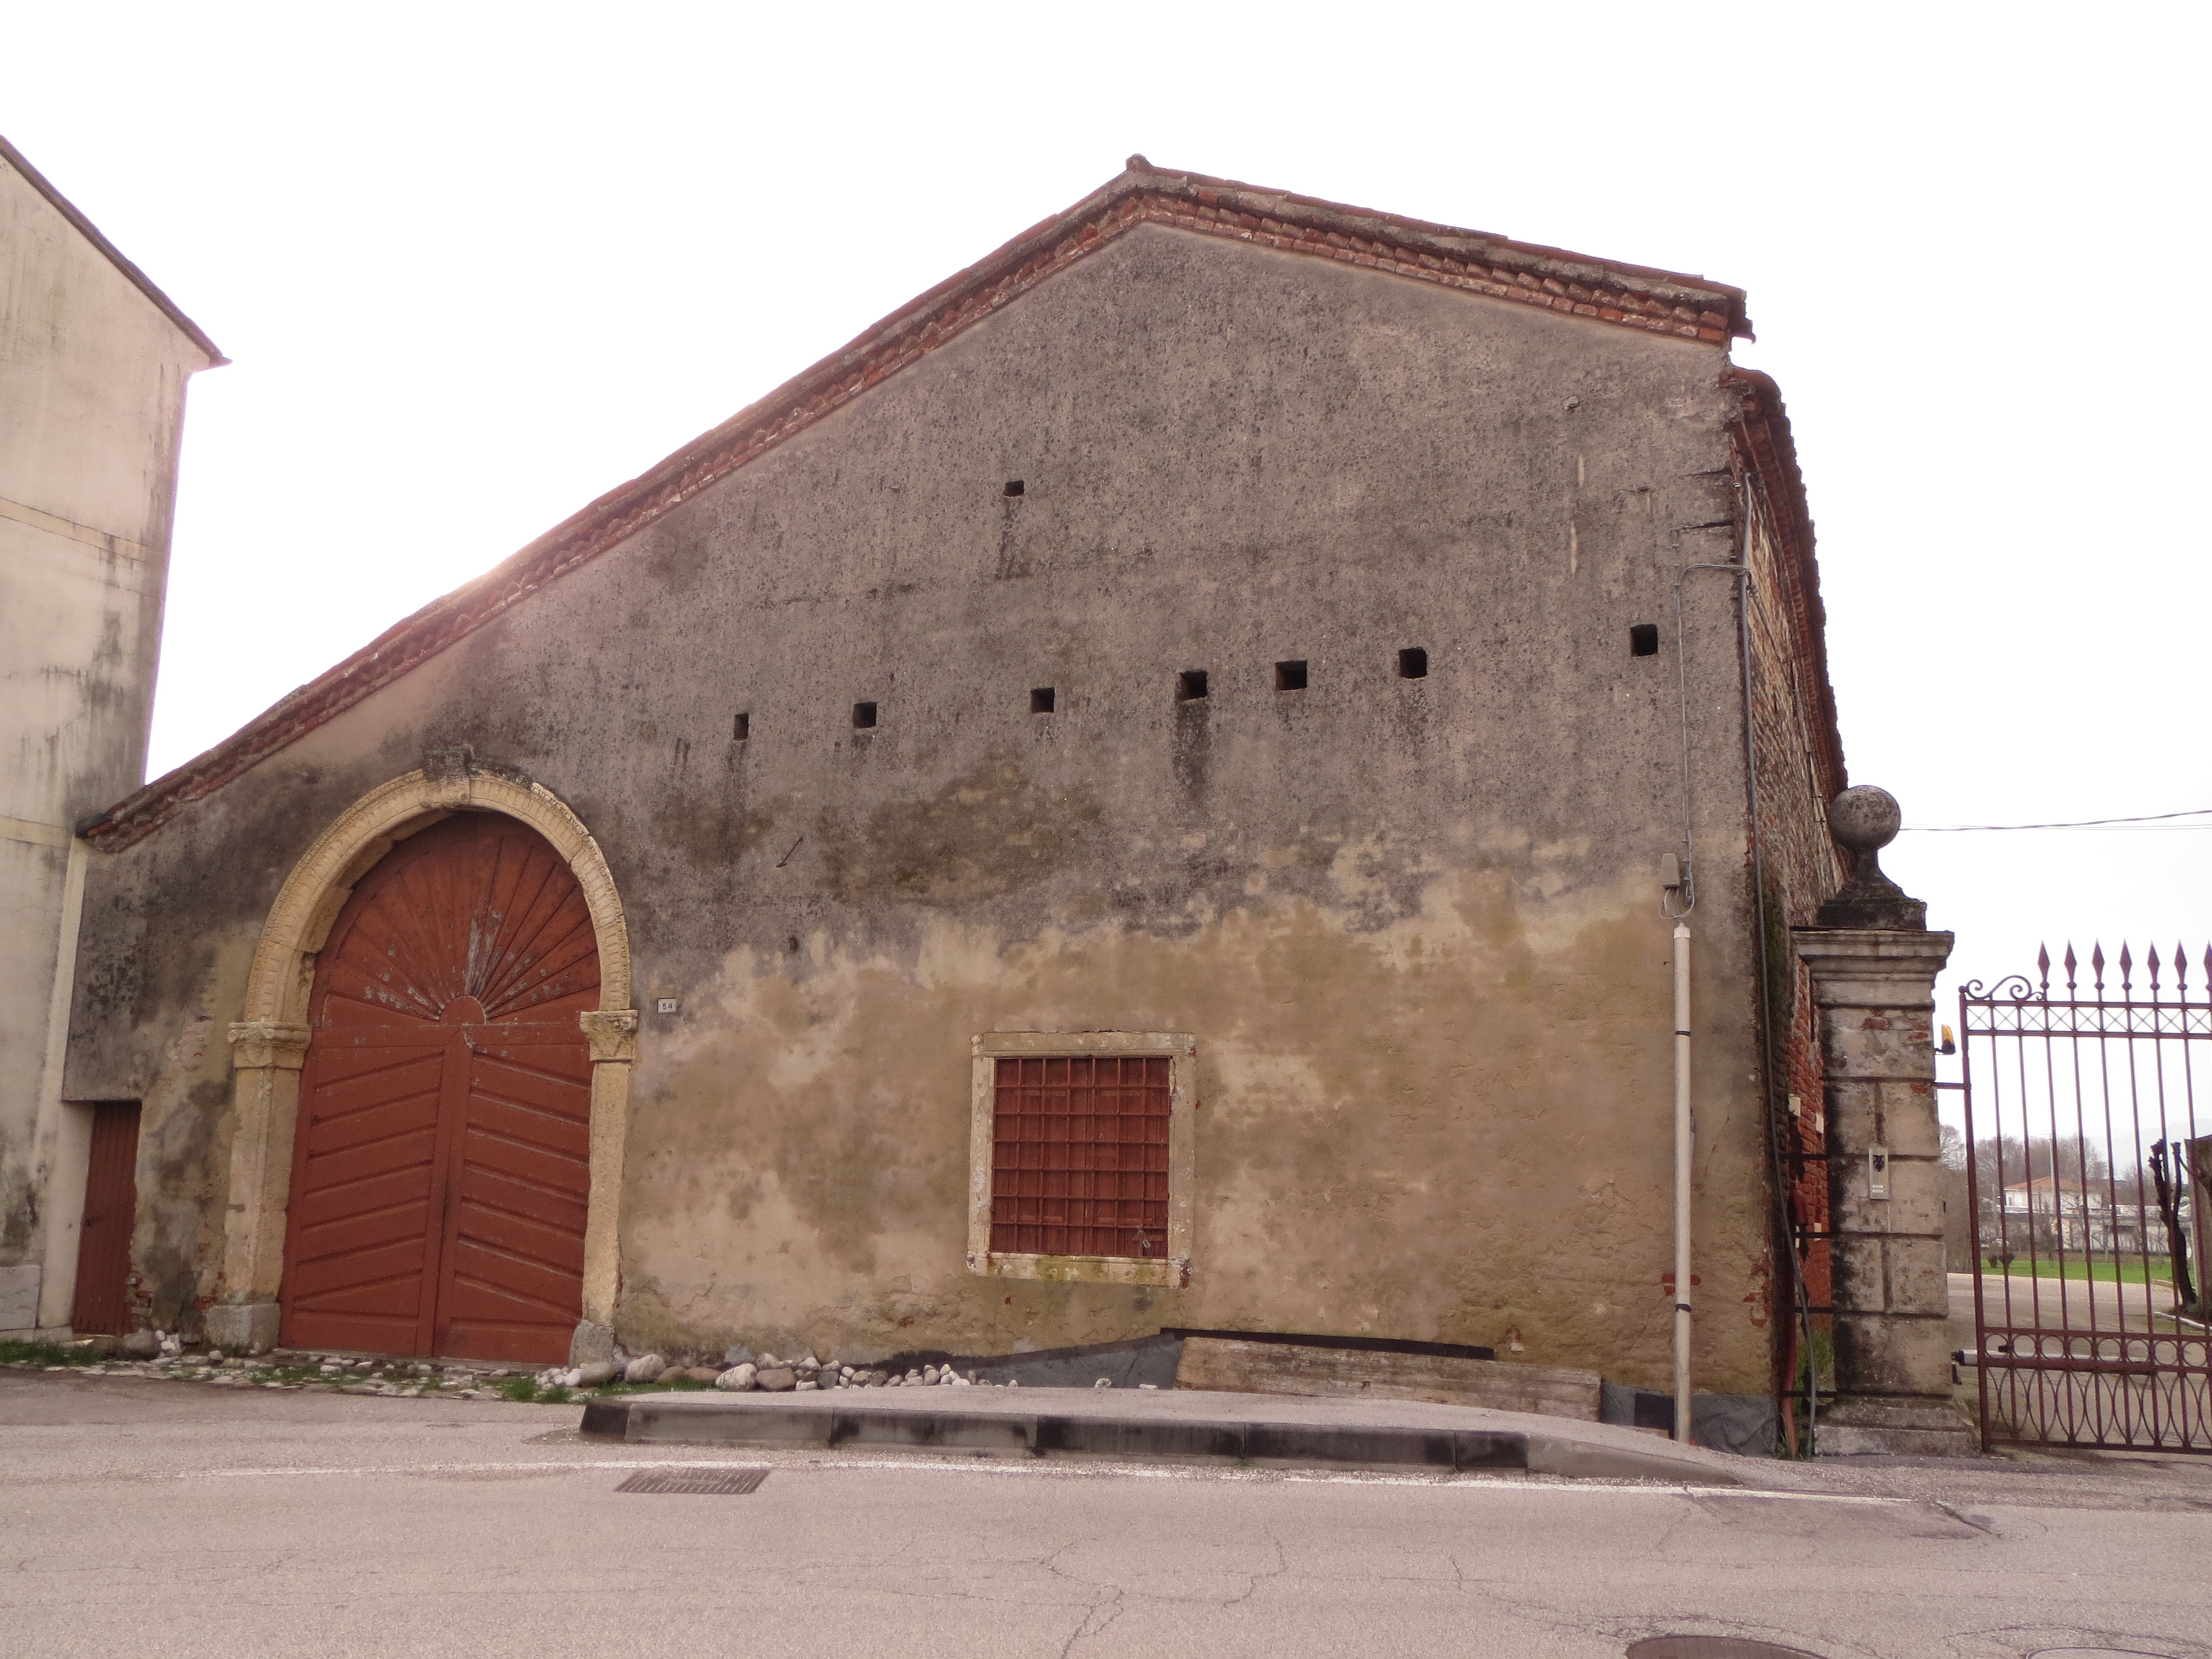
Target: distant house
point(2055, 1213)
point(1129, 796)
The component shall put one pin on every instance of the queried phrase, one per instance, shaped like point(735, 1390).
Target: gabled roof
point(86, 228)
point(1630, 296)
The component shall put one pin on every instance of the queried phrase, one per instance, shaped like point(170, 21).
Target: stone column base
point(1895, 1425)
point(235, 1327)
point(591, 1343)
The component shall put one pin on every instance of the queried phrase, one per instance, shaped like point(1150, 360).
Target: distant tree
point(1958, 1213)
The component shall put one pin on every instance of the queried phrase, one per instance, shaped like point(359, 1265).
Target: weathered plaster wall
point(92, 384)
point(1414, 923)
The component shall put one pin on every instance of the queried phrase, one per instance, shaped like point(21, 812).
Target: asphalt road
point(178, 1520)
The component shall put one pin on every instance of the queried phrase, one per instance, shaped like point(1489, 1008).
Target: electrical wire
point(2079, 823)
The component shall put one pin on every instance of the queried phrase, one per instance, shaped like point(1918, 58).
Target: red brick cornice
point(1571, 284)
point(1767, 450)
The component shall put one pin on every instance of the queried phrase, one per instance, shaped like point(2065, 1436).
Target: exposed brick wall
point(1798, 770)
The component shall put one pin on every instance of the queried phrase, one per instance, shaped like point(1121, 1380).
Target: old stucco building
point(1130, 796)
point(93, 361)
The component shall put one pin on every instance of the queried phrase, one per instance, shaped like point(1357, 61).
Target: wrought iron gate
point(2088, 1177)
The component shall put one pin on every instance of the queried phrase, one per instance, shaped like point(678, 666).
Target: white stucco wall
point(93, 371)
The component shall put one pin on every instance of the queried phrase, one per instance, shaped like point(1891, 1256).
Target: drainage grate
point(708, 1483)
point(1712, 1647)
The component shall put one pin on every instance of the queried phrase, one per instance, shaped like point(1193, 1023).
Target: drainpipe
point(1683, 1146)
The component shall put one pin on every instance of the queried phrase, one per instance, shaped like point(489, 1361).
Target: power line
point(2079, 824)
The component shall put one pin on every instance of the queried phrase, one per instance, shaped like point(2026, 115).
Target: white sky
point(478, 264)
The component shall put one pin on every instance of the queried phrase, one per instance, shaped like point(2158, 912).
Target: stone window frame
point(1179, 1049)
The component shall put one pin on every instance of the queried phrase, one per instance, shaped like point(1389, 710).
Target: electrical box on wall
point(1878, 1172)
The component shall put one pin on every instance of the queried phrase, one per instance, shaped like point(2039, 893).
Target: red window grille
point(1080, 1155)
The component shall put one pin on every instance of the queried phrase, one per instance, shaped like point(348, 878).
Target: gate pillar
point(1874, 965)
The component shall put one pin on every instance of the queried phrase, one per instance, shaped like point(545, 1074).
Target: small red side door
point(111, 1210)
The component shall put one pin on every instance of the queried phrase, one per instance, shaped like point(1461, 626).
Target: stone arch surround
point(269, 1044)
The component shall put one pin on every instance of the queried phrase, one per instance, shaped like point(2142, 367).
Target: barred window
point(1082, 1156)
point(1079, 1155)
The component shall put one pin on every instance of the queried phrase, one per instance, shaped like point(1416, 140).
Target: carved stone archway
point(269, 1044)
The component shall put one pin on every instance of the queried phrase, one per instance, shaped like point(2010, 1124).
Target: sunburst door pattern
point(442, 1167)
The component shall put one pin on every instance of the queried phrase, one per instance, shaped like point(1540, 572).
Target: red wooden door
point(442, 1163)
point(111, 1210)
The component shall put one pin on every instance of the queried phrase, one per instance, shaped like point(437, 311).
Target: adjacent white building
point(94, 363)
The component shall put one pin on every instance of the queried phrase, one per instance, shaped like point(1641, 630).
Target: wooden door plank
point(111, 1214)
point(439, 1195)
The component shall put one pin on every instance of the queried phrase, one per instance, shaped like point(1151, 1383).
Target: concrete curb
point(753, 1420)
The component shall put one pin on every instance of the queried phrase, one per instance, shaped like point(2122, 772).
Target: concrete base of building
point(1907, 1426)
point(239, 1326)
point(1742, 1422)
point(1173, 1426)
point(19, 1295)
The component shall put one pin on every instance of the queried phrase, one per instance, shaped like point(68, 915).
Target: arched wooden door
point(442, 1167)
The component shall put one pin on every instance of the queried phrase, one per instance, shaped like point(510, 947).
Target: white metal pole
point(1683, 1132)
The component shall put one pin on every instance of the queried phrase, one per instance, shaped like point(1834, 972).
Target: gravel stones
point(776, 1379)
point(738, 1378)
point(142, 1345)
point(646, 1368)
point(598, 1373)
point(701, 1374)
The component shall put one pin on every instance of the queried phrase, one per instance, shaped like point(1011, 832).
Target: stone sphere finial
point(1865, 819)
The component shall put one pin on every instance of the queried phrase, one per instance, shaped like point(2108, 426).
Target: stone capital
point(257, 1044)
point(1872, 967)
point(613, 1033)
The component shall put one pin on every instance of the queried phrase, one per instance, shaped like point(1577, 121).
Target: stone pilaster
point(1874, 965)
point(265, 1057)
point(613, 1033)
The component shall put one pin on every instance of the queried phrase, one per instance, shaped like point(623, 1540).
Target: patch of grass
point(46, 1353)
point(2103, 1270)
point(524, 1391)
